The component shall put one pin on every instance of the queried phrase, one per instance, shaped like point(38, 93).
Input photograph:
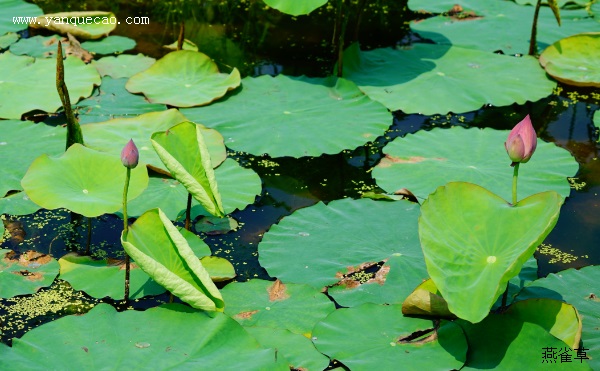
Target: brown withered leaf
point(246, 315)
point(277, 291)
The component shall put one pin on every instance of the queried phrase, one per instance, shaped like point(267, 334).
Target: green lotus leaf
point(164, 254)
point(505, 342)
point(1, 232)
point(318, 245)
point(574, 60)
point(102, 278)
point(238, 186)
point(294, 7)
point(89, 25)
point(212, 225)
point(112, 100)
point(183, 151)
point(275, 304)
point(109, 45)
point(219, 269)
point(429, 72)
point(17, 204)
point(8, 39)
point(198, 246)
point(16, 8)
point(171, 336)
point(25, 273)
point(82, 180)
point(527, 274)
point(20, 73)
point(374, 337)
point(183, 78)
point(580, 289)
point(108, 136)
point(17, 144)
point(37, 46)
point(423, 161)
point(297, 349)
point(426, 300)
point(514, 21)
point(475, 241)
point(295, 116)
point(122, 65)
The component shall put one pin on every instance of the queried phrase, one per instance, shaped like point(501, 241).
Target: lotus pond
point(301, 185)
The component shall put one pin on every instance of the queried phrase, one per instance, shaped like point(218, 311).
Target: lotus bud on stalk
point(521, 142)
point(129, 157)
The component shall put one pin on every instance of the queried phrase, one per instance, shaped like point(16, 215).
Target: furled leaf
point(553, 4)
point(294, 7)
point(475, 241)
point(183, 151)
point(25, 273)
point(163, 253)
point(82, 180)
point(89, 25)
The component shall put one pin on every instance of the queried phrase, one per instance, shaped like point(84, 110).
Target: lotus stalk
point(74, 134)
point(553, 4)
point(129, 157)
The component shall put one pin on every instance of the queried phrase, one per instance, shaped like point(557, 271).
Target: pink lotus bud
point(130, 155)
point(521, 141)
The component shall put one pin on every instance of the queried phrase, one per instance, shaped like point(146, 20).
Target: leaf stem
point(188, 212)
point(125, 231)
point(514, 185)
point(74, 134)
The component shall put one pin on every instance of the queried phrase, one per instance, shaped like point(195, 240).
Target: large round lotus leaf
point(238, 187)
point(276, 304)
point(505, 342)
point(574, 60)
point(8, 39)
point(184, 79)
point(23, 142)
point(109, 45)
point(474, 242)
point(514, 21)
point(82, 180)
point(123, 65)
point(37, 46)
point(317, 245)
point(17, 204)
point(102, 278)
point(25, 273)
point(171, 336)
point(391, 284)
point(429, 72)
point(98, 25)
point(16, 8)
point(112, 100)
point(423, 161)
point(109, 136)
point(580, 289)
point(295, 7)
point(297, 349)
point(36, 79)
point(374, 337)
point(295, 116)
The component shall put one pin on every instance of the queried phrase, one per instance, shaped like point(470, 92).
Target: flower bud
point(130, 155)
point(521, 142)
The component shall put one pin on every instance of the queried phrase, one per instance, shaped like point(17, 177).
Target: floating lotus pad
point(108, 136)
point(219, 269)
point(8, 39)
point(317, 245)
point(579, 288)
point(183, 78)
point(429, 72)
point(16, 8)
point(294, 7)
point(111, 101)
point(17, 144)
point(82, 180)
point(276, 304)
point(380, 345)
point(17, 204)
point(88, 25)
point(423, 161)
point(574, 60)
point(109, 45)
point(21, 74)
point(102, 278)
point(474, 242)
point(514, 21)
point(37, 46)
point(25, 273)
point(158, 338)
point(161, 251)
point(122, 65)
point(295, 116)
